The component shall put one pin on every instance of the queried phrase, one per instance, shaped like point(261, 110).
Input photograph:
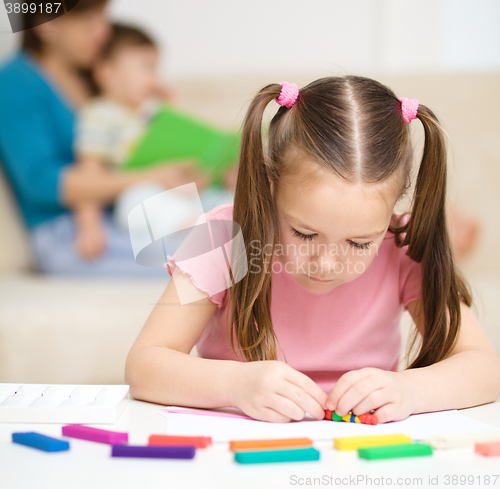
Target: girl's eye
point(305, 237)
point(360, 246)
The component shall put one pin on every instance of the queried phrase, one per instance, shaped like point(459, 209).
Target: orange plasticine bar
point(490, 449)
point(284, 442)
point(168, 440)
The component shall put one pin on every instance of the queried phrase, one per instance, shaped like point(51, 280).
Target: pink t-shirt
point(352, 326)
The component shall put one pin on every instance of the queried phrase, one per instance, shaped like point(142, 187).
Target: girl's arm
point(159, 368)
point(469, 376)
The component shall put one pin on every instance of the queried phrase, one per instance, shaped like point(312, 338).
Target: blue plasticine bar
point(395, 451)
point(41, 442)
point(291, 455)
point(153, 451)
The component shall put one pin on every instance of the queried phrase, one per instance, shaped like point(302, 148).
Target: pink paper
point(202, 412)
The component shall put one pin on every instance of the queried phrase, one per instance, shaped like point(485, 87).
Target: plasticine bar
point(395, 451)
point(147, 451)
point(41, 442)
point(294, 455)
point(458, 440)
point(94, 434)
point(284, 442)
point(165, 440)
point(355, 442)
point(491, 449)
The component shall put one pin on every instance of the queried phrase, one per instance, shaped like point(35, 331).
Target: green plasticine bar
point(257, 457)
point(395, 451)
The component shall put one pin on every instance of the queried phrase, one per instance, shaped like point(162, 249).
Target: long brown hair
point(353, 126)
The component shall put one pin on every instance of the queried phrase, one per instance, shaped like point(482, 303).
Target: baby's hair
point(353, 126)
point(124, 36)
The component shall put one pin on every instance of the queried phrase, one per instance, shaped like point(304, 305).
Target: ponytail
point(254, 211)
point(428, 242)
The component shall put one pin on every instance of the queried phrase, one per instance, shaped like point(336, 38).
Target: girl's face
point(330, 229)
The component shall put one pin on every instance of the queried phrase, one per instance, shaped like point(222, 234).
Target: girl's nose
point(327, 264)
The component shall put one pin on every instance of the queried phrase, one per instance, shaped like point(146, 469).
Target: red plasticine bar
point(94, 434)
point(166, 440)
point(490, 449)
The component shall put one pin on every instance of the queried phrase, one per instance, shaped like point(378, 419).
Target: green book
point(174, 136)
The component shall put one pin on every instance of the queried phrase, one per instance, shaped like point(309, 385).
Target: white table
point(90, 465)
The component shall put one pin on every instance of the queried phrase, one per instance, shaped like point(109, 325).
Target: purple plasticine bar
point(94, 434)
point(152, 451)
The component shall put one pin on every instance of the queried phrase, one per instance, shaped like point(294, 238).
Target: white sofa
point(66, 330)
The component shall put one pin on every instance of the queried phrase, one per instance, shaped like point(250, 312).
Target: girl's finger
point(307, 385)
point(274, 416)
point(346, 382)
point(386, 413)
point(355, 394)
point(303, 399)
point(374, 400)
point(286, 407)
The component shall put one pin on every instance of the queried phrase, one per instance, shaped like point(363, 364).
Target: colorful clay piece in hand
point(351, 418)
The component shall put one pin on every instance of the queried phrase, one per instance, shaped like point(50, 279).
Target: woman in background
point(43, 85)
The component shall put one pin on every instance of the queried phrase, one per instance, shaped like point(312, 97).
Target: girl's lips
point(321, 281)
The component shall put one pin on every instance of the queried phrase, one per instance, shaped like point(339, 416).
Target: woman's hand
point(172, 175)
point(230, 177)
point(390, 394)
point(273, 391)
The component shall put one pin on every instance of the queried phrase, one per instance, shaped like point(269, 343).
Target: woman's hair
point(30, 41)
point(124, 36)
point(354, 127)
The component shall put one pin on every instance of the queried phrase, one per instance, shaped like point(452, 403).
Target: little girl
point(313, 324)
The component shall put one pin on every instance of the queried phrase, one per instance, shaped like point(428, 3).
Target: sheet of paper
point(221, 429)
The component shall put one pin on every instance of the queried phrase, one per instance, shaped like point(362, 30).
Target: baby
point(112, 124)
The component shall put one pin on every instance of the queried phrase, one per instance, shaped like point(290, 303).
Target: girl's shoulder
point(223, 212)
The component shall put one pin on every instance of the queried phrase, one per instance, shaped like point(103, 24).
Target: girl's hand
point(390, 394)
point(273, 391)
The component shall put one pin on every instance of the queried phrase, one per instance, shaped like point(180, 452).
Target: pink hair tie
point(288, 95)
point(409, 108)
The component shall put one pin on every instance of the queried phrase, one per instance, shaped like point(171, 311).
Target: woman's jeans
point(53, 244)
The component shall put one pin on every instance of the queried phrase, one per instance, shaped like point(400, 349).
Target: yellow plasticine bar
point(355, 442)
